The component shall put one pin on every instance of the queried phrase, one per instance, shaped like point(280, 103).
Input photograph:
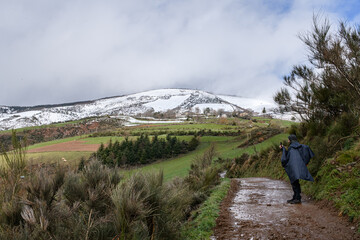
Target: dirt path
point(256, 208)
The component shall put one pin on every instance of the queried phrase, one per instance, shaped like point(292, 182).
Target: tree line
point(197, 133)
point(143, 150)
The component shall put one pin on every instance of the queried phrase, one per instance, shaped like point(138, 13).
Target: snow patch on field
point(214, 106)
point(133, 121)
point(167, 104)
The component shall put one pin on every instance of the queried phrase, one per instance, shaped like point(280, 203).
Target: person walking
point(295, 161)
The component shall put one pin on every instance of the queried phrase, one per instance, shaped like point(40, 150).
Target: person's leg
point(297, 191)
point(293, 197)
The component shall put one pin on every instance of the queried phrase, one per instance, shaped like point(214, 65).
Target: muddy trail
point(256, 208)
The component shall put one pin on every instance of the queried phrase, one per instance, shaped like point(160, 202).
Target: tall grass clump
point(41, 212)
point(56, 203)
point(147, 208)
point(13, 166)
point(92, 185)
point(202, 175)
point(12, 171)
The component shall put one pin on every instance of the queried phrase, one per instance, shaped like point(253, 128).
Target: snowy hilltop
point(179, 101)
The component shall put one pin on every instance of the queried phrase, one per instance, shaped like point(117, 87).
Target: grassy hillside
point(226, 146)
point(176, 187)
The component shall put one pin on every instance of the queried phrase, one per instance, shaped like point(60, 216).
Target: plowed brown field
point(72, 146)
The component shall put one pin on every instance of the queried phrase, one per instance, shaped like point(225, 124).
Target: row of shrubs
point(259, 135)
point(97, 203)
point(202, 132)
point(142, 150)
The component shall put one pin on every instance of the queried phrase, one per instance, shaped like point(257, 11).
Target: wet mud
point(256, 208)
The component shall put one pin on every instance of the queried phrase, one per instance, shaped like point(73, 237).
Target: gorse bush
point(329, 86)
point(40, 210)
point(93, 185)
point(344, 125)
point(146, 208)
point(59, 204)
point(201, 175)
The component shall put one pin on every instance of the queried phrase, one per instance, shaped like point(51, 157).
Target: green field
point(73, 158)
point(226, 146)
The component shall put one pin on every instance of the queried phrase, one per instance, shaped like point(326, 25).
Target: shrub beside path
point(256, 208)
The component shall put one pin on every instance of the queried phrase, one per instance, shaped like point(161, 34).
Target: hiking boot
point(295, 201)
point(290, 200)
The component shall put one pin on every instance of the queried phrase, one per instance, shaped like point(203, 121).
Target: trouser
point(297, 189)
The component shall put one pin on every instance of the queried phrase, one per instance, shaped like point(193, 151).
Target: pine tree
point(194, 142)
point(330, 85)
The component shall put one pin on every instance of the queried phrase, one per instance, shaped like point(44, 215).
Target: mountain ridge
point(159, 100)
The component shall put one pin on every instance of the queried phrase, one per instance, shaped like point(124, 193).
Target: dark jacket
point(295, 159)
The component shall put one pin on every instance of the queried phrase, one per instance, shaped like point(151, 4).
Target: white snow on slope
point(162, 105)
point(132, 121)
point(161, 100)
point(256, 105)
point(215, 106)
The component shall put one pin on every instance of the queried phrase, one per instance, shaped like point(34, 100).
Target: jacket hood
point(295, 144)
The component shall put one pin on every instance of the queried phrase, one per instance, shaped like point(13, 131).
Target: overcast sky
point(72, 50)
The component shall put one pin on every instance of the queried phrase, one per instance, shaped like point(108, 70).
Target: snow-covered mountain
point(179, 100)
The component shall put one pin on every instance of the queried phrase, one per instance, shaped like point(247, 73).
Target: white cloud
point(78, 50)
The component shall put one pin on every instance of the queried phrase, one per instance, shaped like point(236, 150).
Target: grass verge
point(205, 217)
point(338, 181)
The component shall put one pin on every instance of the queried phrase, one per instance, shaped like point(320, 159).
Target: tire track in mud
point(256, 208)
